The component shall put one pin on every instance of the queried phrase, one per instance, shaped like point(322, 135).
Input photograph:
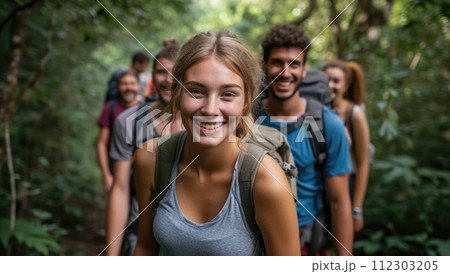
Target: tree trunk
point(336, 29)
point(306, 14)
point(12, 181)
point(364, 17)
point(2, 152)
point(19, 21)
point(17, 46)
point(11, 100)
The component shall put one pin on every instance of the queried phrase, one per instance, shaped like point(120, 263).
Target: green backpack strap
point(249, 162)
point(166, 154)
point(277, 146)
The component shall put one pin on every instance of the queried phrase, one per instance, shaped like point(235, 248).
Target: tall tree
point(364, 22)
point(12, 91)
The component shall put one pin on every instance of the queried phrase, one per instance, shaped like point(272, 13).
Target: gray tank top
point(226, 234)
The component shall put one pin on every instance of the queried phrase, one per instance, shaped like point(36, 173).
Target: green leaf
point(43, 161)
point(393, 175)
point(411, 177)
point(33, 237)
point(444, 248)
point(396, 242)
point(381, 165)
point(377, 236)
point(434, 173)
point(41, 214)
point(403, 160)
point(382, 105)
point(418, 238)
point(4, 239)
point(393, 116)
point(387, 130)
point(4, 232)
point(393, 92)
point(368, 247)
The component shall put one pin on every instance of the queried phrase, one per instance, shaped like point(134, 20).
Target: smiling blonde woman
point(201, 212)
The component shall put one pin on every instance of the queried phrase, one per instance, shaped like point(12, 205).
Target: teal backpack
point(274, 143)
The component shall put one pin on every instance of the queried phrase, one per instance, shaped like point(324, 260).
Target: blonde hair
point(354, 78)
point(234, 54)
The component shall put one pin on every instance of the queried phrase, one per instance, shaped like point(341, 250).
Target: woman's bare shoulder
point(270, 180)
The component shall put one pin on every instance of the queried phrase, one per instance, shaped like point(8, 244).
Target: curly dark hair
point(285, 36)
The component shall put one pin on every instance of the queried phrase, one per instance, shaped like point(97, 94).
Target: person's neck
point(294, 106)
point(159, 105)
point(213, 159)
point(340, 104)
point(128, 104)
point(132, 69)
point(161, 127)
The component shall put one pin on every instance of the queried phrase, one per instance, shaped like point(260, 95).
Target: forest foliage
point(402, 45)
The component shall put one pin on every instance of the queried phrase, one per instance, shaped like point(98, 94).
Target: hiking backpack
point(320, 237)
point(315, 86)
point(275, 144)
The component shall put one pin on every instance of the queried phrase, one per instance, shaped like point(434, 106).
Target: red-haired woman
point(347, 90)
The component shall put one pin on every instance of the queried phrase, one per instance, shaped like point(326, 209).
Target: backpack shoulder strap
point(349, 120)
point(166, 155)
point(112, 110)
point(315, 109)
point(249, 162)
point(349, 113)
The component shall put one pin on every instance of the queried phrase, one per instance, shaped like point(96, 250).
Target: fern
point(29, 234)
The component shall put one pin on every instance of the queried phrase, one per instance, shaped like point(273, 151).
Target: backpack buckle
point(286, 166)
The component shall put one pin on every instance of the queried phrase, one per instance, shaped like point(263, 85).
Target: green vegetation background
point(402, 45)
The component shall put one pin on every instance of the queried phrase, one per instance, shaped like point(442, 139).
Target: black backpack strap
point(248, 164)
point(349, 120)
point(166, 155)
point(112, 110)
point(293, 126)
point(315, 109)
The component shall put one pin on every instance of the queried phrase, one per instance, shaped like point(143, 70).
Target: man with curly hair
point(285, 49)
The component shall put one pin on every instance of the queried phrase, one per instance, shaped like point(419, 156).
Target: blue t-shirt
point(309, 186)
